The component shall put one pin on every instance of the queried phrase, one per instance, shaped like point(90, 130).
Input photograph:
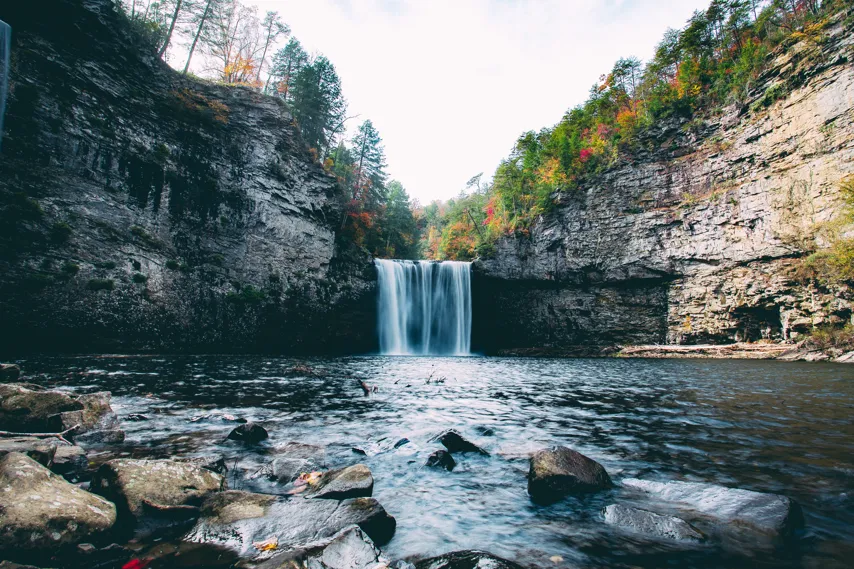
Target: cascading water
point(424, 307)
point(5, 48)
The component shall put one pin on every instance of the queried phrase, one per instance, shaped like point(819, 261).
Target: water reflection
point(764, 426)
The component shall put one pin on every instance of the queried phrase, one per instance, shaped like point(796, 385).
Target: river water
point(766, 426)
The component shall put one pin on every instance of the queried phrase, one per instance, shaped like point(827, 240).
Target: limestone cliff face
point(697, 239)
point(142, 210)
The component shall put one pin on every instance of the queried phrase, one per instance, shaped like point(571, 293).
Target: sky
point(451, 84)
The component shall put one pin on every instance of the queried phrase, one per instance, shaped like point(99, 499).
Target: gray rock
point(235, 520)
point(95, 414)
point(442, 459)
point(141, 487)
point(248, 433)
point(41, 510)
point(770, 514)
point(467, 559)
point(213, 462)
point(650, 523)
point(101, 437)
point(40, 450)
point(455, 442)
point(561, 471)
point(348, 549)
point(9, 372)
point(24, 409)
point(351, 482)
point(70, 461)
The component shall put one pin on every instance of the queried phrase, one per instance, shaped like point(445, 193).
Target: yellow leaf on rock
point(266, 545)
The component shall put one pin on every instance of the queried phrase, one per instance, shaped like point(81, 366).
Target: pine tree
point(318, 104)
point(287, 63)
point(369, 157)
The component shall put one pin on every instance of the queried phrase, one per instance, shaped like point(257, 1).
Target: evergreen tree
point(287, 63)
point(318, 104)
point(369, 159)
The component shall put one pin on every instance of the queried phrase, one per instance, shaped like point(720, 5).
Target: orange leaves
point(266, 545)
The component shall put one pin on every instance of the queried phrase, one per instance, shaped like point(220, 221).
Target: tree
point(172, 23)
point(232, 41)
point(200, 14)
point(369, 157)
point(274, 27)
point(287, 63)
point(398, 227)
point(318, 104)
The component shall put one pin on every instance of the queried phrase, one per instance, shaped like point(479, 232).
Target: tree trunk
point(198, 34)
point(264, 53)
point(171, 29)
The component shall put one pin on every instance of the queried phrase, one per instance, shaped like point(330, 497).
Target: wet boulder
point(10, 372)
point(441, 459)
point(38, 509)
point(213, 462)
point(350, 548)
point(770, 514)
point(95, 422)
point(651, 524)
point(455, 442)
point(39, 449)
point(248, 433)
point(467, 559)
point(26, 408)
point(351, 482)
point(235, 520)
point(560, 471)
point(154, 487)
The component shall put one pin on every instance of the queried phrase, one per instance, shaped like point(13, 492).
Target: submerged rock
point(467, 559)
point(41, 450)
point(441, 459)
point(140, 487)
point(9, 372)
point(248, 433)
point(561, 471)
point(38, 509)
point(351, 482)
point(771, 514)
point(348, 549)
point(235, 520)
point(25, 409)
point(455, 442)
point(650, 523)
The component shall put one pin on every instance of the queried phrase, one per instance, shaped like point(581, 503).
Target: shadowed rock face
point(468, 559)
point(40, 510)
point(348, 549)
point(143, 210)
point(561, 471)
point(23, 409)
point(694, 239)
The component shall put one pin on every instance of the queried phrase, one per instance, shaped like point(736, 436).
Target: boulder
point(248, 433)
point(101, 437)
point(143, 487)
point(25, 409)
point(235, 520)
point(441, 459)
point(10, 372)
point(39, 510)
point(213, 462)
point(39, 449)
point(771, 514)
point(351, 482)
point(348, 549)
point(467, 559)
point(455, 442)
point(650, 523)
point(96, 422)
point(560, 471)
point(13, 565)
point(70, 462)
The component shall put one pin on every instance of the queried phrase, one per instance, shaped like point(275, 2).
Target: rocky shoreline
point(65, 501)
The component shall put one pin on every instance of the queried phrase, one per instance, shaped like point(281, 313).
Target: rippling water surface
point(765, 426)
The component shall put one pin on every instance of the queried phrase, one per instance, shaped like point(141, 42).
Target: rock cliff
point(144, 210)
point(698, 237)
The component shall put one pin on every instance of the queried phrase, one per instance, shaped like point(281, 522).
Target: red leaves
point(585, 154)
point(137, 564)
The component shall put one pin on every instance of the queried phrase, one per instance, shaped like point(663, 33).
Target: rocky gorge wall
point(144, 210)
point(697, 238)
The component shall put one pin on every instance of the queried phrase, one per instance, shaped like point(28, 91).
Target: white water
point(5, 48)
point(424, 307)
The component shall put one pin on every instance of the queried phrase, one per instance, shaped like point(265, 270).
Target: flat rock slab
point(650, 523)
point(561, 471)
point(771, 514)
point(236, 520)
point(41, 510)
point(140, 485)
point(350, 548)
point(40, 450)
point(467, 559)
point(351, 482)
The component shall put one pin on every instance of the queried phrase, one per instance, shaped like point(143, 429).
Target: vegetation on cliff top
point(714, 61)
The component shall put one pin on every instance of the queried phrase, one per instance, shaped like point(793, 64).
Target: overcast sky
point(451, 84)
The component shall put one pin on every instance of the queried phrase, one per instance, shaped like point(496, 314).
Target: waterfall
point(424, 307)
point(5, 48)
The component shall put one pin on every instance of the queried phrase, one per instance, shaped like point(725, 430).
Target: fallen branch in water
point(60, 436)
